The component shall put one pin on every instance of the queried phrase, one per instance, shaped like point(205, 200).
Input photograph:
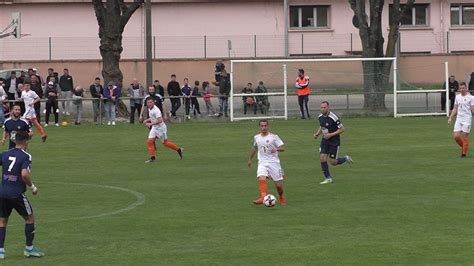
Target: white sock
point(2, 250)
point(29, 247)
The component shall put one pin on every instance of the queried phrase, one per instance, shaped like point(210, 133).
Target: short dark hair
point(250, 83)
point(13, 72)
point(66, 69)
point(326, 102)
point(97, 78)
point(196, 82)
point(462, 84)
point(156, 80)
point(150, 99)
point(21, 137)
point(301, 70)
point(173, 75)
point(263, 121)
point(50, 69)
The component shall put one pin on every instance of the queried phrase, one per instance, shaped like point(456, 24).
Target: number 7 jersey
point(265, 145)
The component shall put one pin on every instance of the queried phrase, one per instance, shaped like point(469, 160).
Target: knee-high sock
point(170, 145)
point(465, 145)
point(29, 234)
point(341, 160)
point(3, 233)
point(263, 187)
point(280, 191)
point(39, 128)
point(151, 147)
point(459, 141)
point(325, 168)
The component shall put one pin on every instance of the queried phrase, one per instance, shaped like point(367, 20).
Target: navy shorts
point(330, 149)
point(20, 204)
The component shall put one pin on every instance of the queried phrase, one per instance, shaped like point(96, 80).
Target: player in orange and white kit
point(302, 85)
point(157, 130)
point(30, 97)
point(268, 146)
point(463, 108)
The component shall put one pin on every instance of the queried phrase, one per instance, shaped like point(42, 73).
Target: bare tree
point(377, 73)
point(112, 16)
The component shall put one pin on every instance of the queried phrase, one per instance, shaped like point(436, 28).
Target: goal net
point(340, 81)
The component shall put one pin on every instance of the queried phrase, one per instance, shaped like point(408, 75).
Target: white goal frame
point(397, 92)
point(285, 79)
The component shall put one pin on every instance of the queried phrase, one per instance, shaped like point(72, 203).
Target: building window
point(462, 14)
point(309, 16)
point(415, 16)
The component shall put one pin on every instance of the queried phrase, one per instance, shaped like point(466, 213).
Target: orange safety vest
point(303, 86)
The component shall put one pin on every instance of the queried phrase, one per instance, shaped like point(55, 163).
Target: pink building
point(230, 28)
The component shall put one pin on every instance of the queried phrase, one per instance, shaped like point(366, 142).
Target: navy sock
point(3, 233)
point(325, 168)
point(29, 234)
point(341, 160)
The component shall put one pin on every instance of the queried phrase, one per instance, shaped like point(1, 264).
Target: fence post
point(154, 47)
point(447, 42)
point(302, 43)
point(347, 99)
point(255, 45)
point(351, 45)
point(50, 49)
point(205, 46)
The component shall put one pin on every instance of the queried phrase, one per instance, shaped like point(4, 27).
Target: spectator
point(77, 95)
point(51, 93)
point(50, 75)
point(302, 85)
point(194, 99)
point(36, 87)
point(11, 85)
point(453, 88)
point(159, 89)
point(22, 76)
point(218, 71)
point(18, 99)
point(174, 91)
point(111, 96)
point(207, 98)
point(97, 92)
point(3, 96)
point(262, 100)
point(136, 92)
point(38, 77)
point(186, 91)
point(66, 84)
point(470, 83)
point(224, 90)
point(249, 100)
point(158, 102)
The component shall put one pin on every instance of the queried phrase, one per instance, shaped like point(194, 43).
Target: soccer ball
point(269, 200)
point(64, 123)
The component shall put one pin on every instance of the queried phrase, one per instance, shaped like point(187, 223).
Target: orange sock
point(151, 147)
point(170, 145)
point(465, 146)
point(263, 187)
point(459, 141)
point(280, 191)
point(39, 128)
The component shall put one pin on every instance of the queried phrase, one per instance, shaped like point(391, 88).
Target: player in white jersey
point(268, 146)
point(30, 97)
point(463, 108)
point(157, 130)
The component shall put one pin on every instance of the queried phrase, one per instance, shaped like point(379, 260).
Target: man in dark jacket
point(453, 88)
point(224, 91)
point(66, 84)
point(97, 92)
point(159, 89)
point(174, 91)
point(470, 83)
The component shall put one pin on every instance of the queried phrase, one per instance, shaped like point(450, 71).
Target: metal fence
point(244, 46)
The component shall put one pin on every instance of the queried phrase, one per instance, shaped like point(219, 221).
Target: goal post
point(338, 80)
point(407, 101)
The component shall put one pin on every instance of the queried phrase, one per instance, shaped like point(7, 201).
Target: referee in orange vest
point(302, 84)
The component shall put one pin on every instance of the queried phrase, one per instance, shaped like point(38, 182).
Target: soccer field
point(408, 199)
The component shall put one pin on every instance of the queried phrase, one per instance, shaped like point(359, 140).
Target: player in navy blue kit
point(16, 164)
point(15, 124)
point(331, 128)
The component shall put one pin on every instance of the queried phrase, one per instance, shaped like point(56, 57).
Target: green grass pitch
point(408, 199)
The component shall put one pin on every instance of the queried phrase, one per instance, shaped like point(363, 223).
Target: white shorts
point(463, 125)
point(158, 132)
point(271, 170)
point(29, 113)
